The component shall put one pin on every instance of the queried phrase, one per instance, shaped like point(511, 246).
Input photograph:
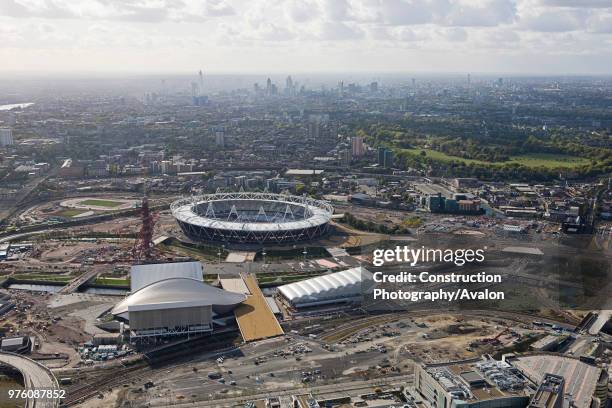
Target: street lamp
point(219, 252)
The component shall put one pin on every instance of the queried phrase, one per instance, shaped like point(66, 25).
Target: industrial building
point(21, 345)
point(586, 383)
point(340, 287)
point(488, 383)
point(252, 218)
point(174, 306)
point(549, 393)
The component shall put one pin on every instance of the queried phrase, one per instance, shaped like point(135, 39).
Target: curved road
point(35, 377)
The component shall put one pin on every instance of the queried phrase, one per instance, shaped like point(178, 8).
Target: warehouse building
point(340, 287)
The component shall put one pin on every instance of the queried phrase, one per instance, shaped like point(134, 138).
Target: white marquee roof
point(344, 284)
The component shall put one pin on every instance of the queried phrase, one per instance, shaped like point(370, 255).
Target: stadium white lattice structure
point(252, 218)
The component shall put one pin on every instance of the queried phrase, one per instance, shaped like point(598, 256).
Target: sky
point(293, 36)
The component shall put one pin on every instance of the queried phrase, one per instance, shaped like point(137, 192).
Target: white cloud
point(278, 30)
point(301, 11)
point(338, 31)
point(578, 3)
point(484, 13)
point(405, 12)
point(556, 21)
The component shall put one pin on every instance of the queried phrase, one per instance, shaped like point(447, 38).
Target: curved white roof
point(144, 275)
point(345, 284)
point(178, 292)
point(320, 212)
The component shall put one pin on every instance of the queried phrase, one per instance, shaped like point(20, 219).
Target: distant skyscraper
point(357, 146)
point(197, 91)
point(346, 157)
point(388, 162)
point(219, 136)
point(413, 83)
point(374, 87)
point(314, 128)
point(269, 87)
point(6, 137)
point(289, 89)
point(381, 156)
point(385, 157)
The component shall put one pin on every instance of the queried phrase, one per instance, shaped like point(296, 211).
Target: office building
point(219, 136)
point(357, 146)
point(6, 137)
point(488, 383)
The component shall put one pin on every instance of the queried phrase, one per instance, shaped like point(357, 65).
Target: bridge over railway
point(35, 377)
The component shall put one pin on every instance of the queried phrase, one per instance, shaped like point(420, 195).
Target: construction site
point(126, 307)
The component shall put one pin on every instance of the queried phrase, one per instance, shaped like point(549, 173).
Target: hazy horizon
point(517, 37)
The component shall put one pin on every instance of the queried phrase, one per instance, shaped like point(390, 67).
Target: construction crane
point(495, 339)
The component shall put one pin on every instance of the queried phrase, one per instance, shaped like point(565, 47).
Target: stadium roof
point(178, 292)
point(319, 212)
point(327, 288)
point(144, 275)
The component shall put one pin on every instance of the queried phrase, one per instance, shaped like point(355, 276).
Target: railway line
point(140, 371)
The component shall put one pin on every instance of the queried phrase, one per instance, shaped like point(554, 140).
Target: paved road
point(345, 387)
point(36, 377)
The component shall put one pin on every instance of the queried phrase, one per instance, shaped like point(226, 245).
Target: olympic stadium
point(252, 218)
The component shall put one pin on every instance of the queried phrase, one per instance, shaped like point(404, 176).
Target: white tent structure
point(339, 287)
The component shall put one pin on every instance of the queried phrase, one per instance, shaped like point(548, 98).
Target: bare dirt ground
point(111, 399)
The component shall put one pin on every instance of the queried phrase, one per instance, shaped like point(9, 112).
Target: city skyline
point(234, 36)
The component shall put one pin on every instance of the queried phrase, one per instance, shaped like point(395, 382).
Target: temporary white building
point(339, 287)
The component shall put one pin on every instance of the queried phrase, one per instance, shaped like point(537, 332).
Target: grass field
point(549, 160)
point(102, 203)
point(72, 212)
point(112, 281)
point(42, 277)
point(532, 160)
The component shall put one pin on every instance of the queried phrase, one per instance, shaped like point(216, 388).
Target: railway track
point(78, 394)
point(140, 371)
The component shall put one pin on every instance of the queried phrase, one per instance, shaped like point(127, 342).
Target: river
point(15, 106)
